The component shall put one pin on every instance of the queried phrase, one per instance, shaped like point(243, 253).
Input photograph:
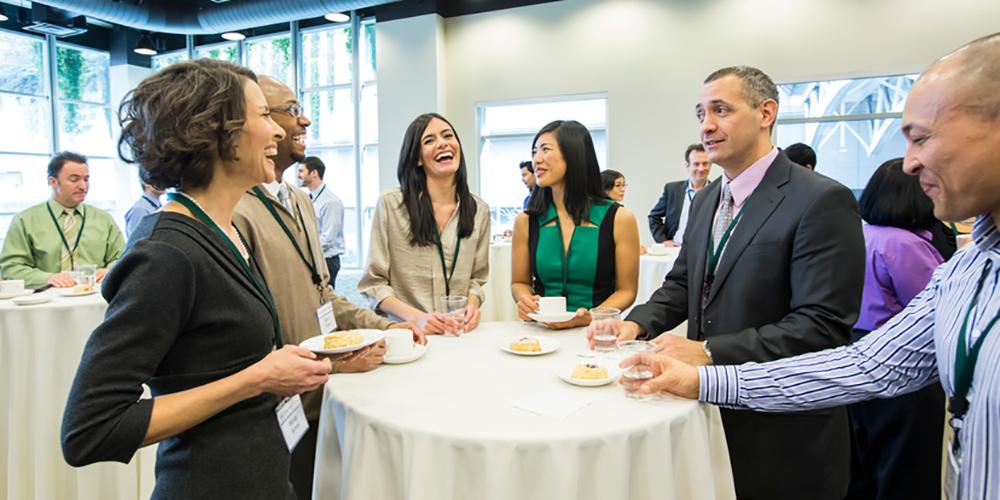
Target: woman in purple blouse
point(897, 442)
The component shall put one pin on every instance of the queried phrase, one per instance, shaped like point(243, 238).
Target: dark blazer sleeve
point(827, 277)
point(150, 292)
point(668, 306)
point(657, 214)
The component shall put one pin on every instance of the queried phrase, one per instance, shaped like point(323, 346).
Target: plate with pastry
point(77, 291)
point(589, 373)
point(529, 345)
point(343, 341)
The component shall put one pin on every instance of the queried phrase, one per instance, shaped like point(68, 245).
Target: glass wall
point(852, 124)
point(505, 134)
point(30, 136)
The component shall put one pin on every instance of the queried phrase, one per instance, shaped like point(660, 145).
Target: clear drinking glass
point(634, 376)
point(603, 321)
point(87, 269)
point(453, 307)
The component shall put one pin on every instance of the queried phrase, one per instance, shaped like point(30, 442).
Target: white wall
point(410, 61)
point(123, 78)
point(651, 57)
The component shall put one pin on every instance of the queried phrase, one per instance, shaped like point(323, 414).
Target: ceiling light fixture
point(234, 36)
point(337, 17)
point(3, 13)
point(145, 46)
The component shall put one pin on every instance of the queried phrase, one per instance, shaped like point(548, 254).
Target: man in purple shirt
point(772, 266)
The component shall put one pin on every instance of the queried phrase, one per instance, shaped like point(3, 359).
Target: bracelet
point(708, 352)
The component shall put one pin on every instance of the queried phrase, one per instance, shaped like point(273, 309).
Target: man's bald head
point(275, 91)
point(284, 107)
point(973, 73)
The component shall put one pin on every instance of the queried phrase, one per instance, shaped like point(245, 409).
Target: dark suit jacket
point(665, 217)
point(789, 282)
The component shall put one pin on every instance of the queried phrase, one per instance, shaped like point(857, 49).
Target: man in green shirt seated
point(47, 240)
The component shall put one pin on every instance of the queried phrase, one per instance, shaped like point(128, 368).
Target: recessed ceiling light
point(337, 17)
point(233, 36)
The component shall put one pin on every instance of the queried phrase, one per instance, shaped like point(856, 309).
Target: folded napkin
point(555, 404)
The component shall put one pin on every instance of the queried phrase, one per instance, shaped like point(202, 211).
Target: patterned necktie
point(724, 219)
point(283, 197)
point(70, 228)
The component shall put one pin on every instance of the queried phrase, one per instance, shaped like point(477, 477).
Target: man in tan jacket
point(296, 271)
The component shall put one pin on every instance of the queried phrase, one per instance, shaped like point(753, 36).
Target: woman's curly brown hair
point(178, 121)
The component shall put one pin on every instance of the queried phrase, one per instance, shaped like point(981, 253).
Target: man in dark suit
point(788, 281)
point(668, 218)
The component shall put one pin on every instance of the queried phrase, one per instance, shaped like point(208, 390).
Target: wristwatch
point(708, 352)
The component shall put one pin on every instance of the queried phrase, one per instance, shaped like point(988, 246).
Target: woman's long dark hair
point(894, 198)
point(413, 184)
point(583, 173)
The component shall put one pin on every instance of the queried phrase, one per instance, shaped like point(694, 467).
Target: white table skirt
point(40, 348)
point(500, 306)
point(444, 428)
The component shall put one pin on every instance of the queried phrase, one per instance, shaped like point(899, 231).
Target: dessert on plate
point(347, 338)
point(526, 344)
point(589, 371)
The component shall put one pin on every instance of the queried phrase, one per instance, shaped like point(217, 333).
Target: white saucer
point(68, 292)
point(315, 344)
point(418, 352)
point(548, 345)
point(552, 318)
point(22, 293)
point(567, 376)
point(30, 300)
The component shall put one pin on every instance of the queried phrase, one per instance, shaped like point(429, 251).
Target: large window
point(340, 95)
point(505, 134)
point(30, 136)
point(852, 124)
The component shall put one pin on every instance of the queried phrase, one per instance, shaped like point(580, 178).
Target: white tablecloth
point(40, 349)
point(500, 306)
point(444, 428)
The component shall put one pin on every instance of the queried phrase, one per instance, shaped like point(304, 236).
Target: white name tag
point(951, 472)
point(292, 419)
point(327, 321)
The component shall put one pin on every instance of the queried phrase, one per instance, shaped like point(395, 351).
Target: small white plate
point(30, 300)
point(548, 345)
point(68, 292)
point(315, 344)
point(552, 318)
point(22, 293)
point(567, 376)
point(418, 352)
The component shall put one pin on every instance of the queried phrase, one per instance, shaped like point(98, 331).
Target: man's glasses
point(294, 110)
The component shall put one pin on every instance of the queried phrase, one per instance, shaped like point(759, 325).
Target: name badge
point(327, 321)
point(292, 419)
point(951, 473)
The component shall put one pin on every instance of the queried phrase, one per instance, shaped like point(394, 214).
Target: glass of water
point(604, 321)
point(634, 376)
point(453, 307)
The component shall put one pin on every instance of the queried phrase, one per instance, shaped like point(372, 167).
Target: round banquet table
point(444, 427)
point(40, 348)
point(652, 270)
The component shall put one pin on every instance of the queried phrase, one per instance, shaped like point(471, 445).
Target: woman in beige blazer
point(430, 237)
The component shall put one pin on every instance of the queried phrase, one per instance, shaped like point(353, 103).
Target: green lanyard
point(200, 214)
point(62, 236)
point(714, 254)
point(454, 259)
point(965, 358)
point(274, 213)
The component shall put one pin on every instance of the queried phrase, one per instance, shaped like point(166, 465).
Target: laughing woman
point(572, 241)
point(430, 237)
point(189, 314)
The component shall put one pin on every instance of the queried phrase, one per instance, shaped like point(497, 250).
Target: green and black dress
point(585, 275)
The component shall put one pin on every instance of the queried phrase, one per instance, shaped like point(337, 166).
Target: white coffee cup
point(551, 305)
point(11, 287)
point(398, 342)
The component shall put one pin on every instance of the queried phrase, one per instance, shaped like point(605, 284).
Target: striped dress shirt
point(913, 349)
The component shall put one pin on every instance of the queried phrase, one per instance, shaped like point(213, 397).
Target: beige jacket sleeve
point(351, 316)
point(481, 265)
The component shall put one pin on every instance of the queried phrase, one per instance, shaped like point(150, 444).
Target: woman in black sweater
point(189, 313)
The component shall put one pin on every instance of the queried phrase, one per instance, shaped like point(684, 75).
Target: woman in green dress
point(572, 241)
